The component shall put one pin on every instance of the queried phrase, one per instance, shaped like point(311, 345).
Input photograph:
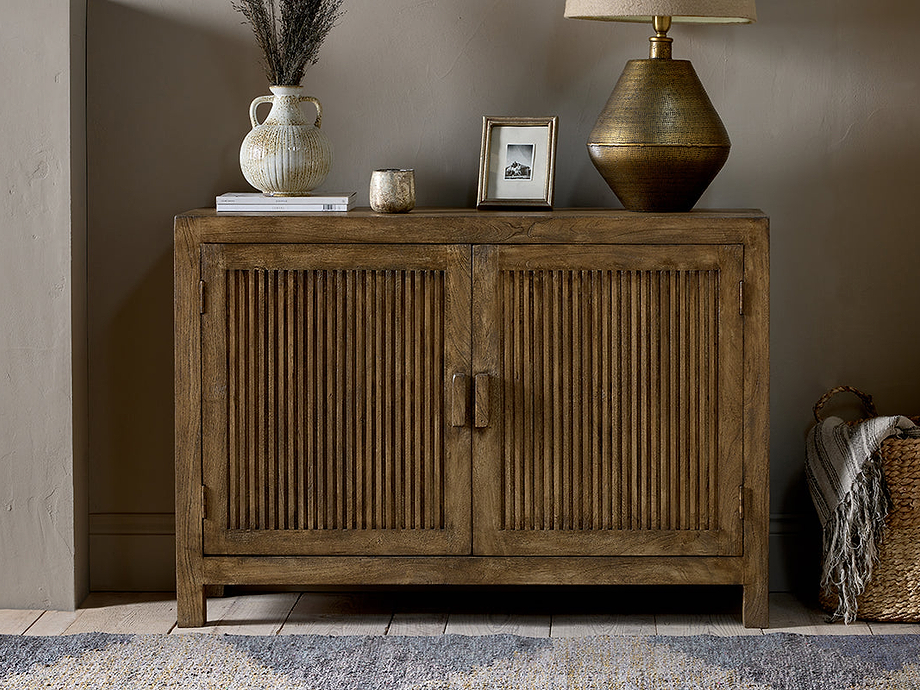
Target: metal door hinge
point(201, 290)
point(741, 502)
point(204, 502)
point(741, 297)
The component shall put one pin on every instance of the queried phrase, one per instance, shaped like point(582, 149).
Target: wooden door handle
point(460, 388)
point(481, 404)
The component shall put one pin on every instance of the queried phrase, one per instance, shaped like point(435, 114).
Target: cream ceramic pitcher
point(285, 155)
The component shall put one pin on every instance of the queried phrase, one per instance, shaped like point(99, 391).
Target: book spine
point(276, 208)
point(257, 200)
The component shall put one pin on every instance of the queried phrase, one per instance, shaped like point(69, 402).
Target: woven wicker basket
point(893, 592)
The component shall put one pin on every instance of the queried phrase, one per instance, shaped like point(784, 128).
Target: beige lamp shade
point(706, 11)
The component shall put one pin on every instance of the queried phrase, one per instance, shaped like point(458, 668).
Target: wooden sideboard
point(466, 397)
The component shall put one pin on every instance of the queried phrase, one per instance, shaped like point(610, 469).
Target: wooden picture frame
point(517, 162)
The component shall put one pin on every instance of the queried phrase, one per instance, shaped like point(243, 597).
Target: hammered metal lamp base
point(659, 142)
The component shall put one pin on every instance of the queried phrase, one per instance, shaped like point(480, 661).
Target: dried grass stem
point(289, 33)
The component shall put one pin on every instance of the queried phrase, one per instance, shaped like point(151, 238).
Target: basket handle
point(868, 404)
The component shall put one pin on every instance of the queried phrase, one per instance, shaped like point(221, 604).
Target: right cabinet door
point(609, 396)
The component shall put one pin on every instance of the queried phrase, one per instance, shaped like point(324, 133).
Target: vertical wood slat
point(271, 414)
point(517, 420)
point(252, 405)
point(617, 487)
point(335, 377)
point(300, 354)
point(693, 393)
point(349, 404)
point(547, 421)
point(430, 509)
point(606, 353)
point(674, 399)
point(558, 421)
point(653, 435)
point(713, 409)
point(235, 426)
point(407, 392)
point(389, 400)
point(291, 400)
point(320, 430)
point(420, 411)
point(539, 487)
point(377, 475)
point(369, 392)
point(439, 405)
point(399, 413)
point(526, 385)
point(412, 407)
point(310, 385)
point(610, 387)
point(575, 419)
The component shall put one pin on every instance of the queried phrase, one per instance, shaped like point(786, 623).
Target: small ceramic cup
point(393, 190)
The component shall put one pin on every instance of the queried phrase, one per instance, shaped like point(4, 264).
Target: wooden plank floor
point(541, 614)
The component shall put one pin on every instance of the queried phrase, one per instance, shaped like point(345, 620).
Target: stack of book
point(256, 202)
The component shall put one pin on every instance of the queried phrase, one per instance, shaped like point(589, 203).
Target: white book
point(280, 208)
point(255, 201)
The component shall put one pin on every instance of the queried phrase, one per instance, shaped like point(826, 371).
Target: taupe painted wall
point(821, 99)
point(43, 549)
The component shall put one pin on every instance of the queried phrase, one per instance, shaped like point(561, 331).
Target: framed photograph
point(517, 165)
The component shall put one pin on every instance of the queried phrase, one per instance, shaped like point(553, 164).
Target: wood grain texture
point(589, 625)
point(337, 614)
point(188, 431)
point(122, 613)
point(723, 625)
point(894, 628)
point(328, 399)
point(525, 625)
point(53, 623)
point(756, 375)
point(267, 476)
point(326, 440)
point(621, 400)
point(17, 621)
point(788, 615)
point(262, 614)
point(471, 570)
point(417, 624)
point(462, 226)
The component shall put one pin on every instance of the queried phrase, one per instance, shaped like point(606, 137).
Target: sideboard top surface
point(469, 226)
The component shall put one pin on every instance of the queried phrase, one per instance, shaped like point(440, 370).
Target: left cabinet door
point(328, 380)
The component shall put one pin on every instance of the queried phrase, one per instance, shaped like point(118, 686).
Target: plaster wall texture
point(821, 100)
point(42, 433)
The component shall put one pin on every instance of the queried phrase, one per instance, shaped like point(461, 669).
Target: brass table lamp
point(659, 142)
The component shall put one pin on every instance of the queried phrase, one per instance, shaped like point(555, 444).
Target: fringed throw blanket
point(844, 472)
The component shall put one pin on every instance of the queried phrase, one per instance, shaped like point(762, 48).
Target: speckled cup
point(392, 190)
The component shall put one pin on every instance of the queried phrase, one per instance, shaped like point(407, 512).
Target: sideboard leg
point(191, 604)
point(755, 609)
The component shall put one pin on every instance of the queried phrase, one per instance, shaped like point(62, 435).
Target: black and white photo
point(517, 164)
point(519, 161)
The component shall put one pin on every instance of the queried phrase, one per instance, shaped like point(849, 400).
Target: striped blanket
point(845, 479)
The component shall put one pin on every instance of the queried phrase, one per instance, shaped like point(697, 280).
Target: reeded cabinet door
point(327, 376)
point(609, 383)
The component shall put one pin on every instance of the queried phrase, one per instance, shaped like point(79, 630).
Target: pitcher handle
point(253, 117)
point(319, 110)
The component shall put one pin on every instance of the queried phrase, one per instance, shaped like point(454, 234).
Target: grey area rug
point(782, 661)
